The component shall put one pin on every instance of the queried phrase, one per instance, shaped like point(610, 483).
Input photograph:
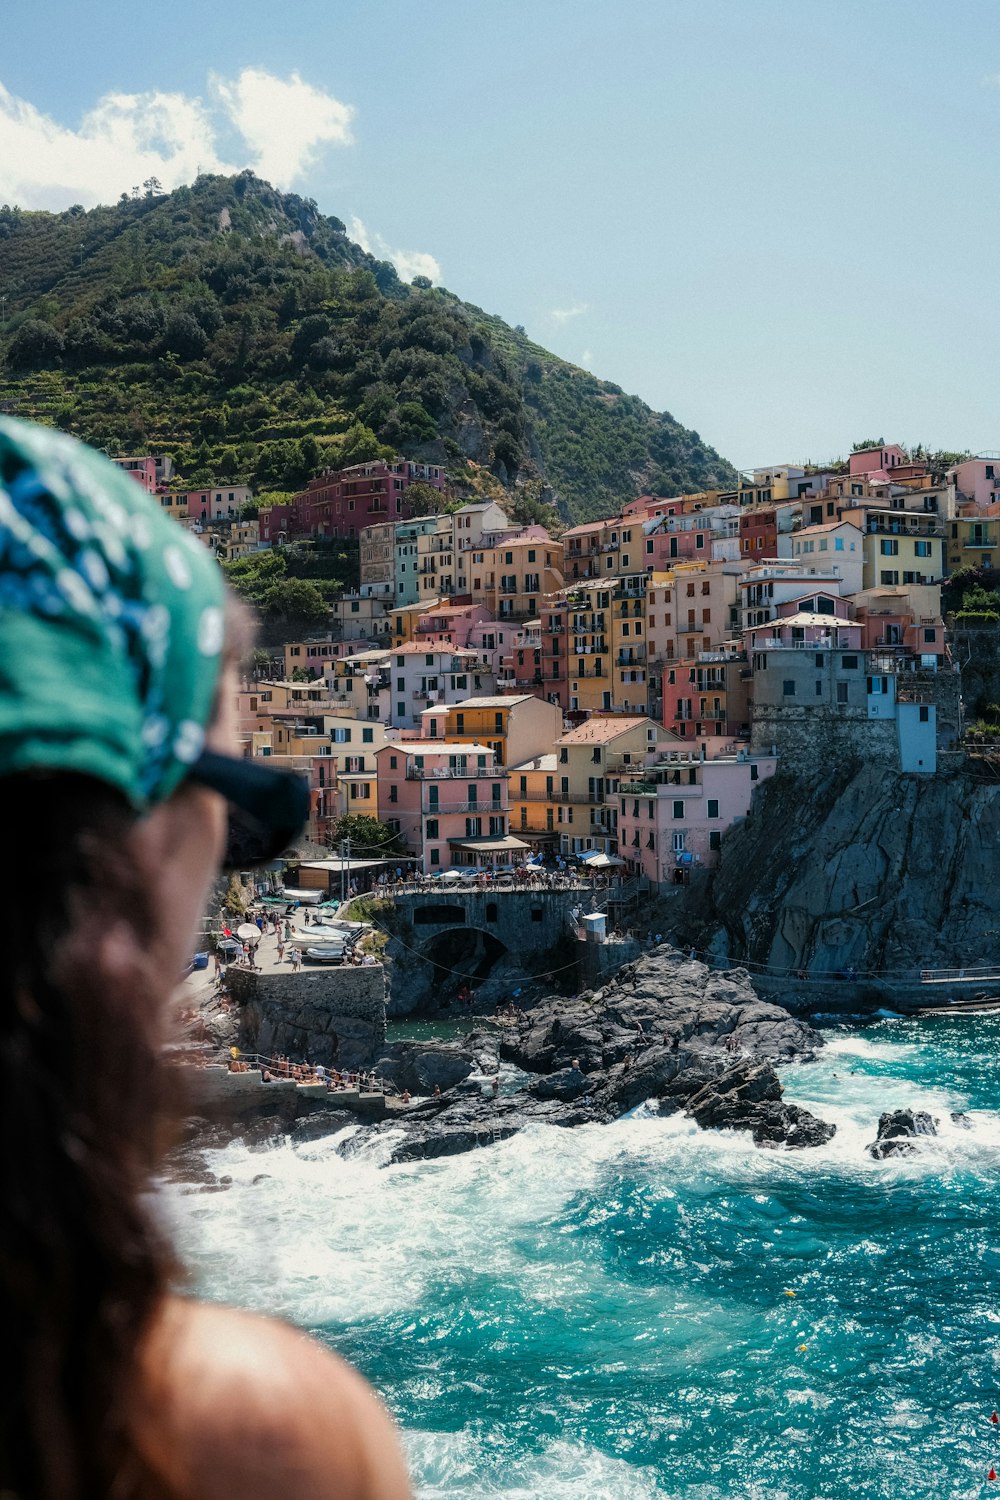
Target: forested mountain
point(242, 331)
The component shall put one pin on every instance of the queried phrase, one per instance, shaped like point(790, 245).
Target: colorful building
point(591, 761)
point(673, 814)
point(516, 727)
point(448, 804)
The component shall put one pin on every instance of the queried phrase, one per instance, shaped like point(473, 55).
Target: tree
point(294, 599)
point(424, 500)
point(35, 343)
point(369, 838)
point(183, 335)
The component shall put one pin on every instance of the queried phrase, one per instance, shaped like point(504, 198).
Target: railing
point(448, 773)
point(283, 1070)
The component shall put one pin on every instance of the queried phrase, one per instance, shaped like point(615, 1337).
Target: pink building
point(673, 815)
point(342, 502)
point(148, 471)
point(451, 624)
point(707, 696)
point(447, 801)
point(219, 503)
point(807, 629)
point(978, 480)
point(880, 461)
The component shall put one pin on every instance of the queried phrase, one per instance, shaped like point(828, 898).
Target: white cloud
point(283, 121)
point(564, 314)
point(408, 263)
point(126, 138)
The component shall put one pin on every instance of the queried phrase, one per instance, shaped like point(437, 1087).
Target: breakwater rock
point(897, 1130)
point(666, 1029)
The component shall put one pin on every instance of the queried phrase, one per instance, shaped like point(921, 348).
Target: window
point(819, 688)
point(394, 793)
point(401, 710)
point(788, 688)
point(713, 807)
point(925, 714)
point(930, 635)
point(432, 798)
point(888, 547)
point(459, 723)
point(715, 839)
point(473, 828)
point(841, 692)
point(889, 576)
point(680, 841)
point(838, 544)
point(678, 809)
point(754, 773)
point(392, 762)
point(922, 549)
point(849, 663)
point(432, 828)
point(563, 756)
point(435, 856)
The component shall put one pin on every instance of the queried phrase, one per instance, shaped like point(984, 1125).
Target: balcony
point(449, 773)
point(631, 656)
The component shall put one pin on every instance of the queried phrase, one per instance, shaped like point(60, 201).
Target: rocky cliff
point(859, 869)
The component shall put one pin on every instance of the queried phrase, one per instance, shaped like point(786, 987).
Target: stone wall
point(809, 739)
point(334, 1016)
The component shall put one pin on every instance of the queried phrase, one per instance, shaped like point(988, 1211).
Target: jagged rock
point(850, 864)
point(896, 1130)
point(961, 1119)
point(789, 1125)
point(662, 998)
point(728, 1102)
point(570, 1083)
point(468, 1123)
point(422, 1066)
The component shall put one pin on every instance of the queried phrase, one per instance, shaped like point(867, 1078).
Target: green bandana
point(111, 621)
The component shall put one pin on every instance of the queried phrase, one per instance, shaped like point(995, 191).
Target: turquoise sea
point(605, 1313)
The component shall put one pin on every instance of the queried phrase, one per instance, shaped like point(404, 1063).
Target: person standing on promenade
point(121, 791)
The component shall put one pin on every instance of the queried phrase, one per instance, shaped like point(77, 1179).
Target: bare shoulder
point(254, 1408)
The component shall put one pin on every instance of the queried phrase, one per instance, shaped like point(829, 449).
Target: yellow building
point(435, 562)
point(176, 506)
point(973, 542)
point(512, 578)
point(591, 760)
point(316, 655)
point(404, 620)
point(900, 546)
point(535, 807)
point(515, 727)
point(606, 664)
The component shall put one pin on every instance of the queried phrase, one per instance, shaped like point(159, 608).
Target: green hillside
point(242, 331)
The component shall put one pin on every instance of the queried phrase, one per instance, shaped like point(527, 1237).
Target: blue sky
point(778, 221)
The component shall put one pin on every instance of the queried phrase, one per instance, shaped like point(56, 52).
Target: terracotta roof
point(430, 648)
point(496, 700)
point(598, 731)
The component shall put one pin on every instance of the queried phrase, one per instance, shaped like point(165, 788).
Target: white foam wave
point(462, 1464)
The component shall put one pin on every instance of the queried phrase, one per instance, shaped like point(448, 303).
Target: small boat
point(328, 954)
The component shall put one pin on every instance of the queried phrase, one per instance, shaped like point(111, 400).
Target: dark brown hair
point(83, 1265)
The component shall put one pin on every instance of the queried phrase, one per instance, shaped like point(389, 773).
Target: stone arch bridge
point(440, 939)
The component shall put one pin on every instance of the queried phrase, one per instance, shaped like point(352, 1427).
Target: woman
point(119, 785)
